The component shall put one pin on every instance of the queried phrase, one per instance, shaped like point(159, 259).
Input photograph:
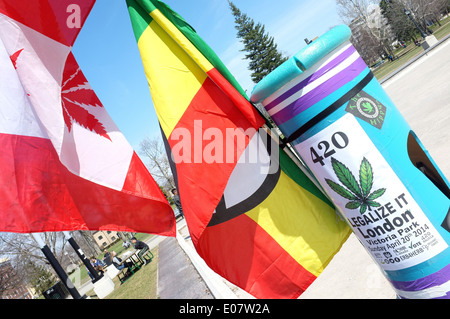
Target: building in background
point(11, 285)
point(105, 238)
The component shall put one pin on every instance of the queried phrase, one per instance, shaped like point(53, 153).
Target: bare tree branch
point(157, 162)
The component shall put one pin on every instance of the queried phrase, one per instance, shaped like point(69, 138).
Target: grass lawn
point(443, 30)
point(142, 285)
point(82, 276)
point(411, 51)
point(404, 56)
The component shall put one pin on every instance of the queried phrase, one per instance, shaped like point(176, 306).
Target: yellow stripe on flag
point(274, 215)
point(182, 41)
point(167, 67)
point(171, 61)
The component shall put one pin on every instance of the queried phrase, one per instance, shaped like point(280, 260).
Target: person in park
point(97, 265)
point(143, 247)
point(176, 200)
point(117, 262)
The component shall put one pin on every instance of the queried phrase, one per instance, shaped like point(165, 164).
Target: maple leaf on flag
point(14, 58)
point(76, 94)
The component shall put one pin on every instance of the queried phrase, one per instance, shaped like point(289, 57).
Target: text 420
point(339, 140)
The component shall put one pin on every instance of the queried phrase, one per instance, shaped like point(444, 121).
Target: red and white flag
point(64, 164)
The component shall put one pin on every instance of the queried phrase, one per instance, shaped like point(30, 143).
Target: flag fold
point(64, 163)
point(253, 215)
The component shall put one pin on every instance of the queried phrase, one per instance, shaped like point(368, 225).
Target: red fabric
point(39, 194)
point(245, 107)
point(249, 255)
point(202, 184)
point(75, 90)
point(53, 18)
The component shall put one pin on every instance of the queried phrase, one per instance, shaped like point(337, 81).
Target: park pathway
point(178, 278)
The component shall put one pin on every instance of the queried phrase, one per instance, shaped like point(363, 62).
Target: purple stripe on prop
point(438, 278)
point(447, 296)
point(320, 92)
point(331, 65)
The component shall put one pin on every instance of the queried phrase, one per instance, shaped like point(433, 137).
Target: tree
point(425, 12)
point(30, 264)
point(260, 47)
point(87, 242)
point(39, 277)
point(8, 277)
point(402, 27)
point(23, 247)
point(365, 17)
point(26, 256)
point(158, 163)
point(367, 46)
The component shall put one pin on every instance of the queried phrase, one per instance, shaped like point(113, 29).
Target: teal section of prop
point(327, 81)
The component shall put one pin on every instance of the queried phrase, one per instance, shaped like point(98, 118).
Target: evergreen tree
point(260, 47)
point(39, 277)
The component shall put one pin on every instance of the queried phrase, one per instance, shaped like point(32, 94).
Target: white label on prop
point(377, 205)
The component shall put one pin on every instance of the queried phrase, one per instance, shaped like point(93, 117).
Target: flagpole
point(292, 155)
point(287, 148)
point(57, 267)
point(82, 256)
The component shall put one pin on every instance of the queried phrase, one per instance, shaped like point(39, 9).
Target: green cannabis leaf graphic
point(368, 108)
point(358, 194)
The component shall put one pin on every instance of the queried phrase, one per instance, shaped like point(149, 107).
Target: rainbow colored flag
point(253, 215)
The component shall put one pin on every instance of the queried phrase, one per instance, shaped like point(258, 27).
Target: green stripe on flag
point(142, 8)
point(295, 173)
point(140, 19)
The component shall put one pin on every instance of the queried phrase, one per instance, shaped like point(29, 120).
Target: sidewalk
point(177, 277)
point(180, 266)
point(411, 62)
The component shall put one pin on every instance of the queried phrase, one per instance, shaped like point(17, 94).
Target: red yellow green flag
point(253, 215)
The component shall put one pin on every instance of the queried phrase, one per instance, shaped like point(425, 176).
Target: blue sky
point(107, 52)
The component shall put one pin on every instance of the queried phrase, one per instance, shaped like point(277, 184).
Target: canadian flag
point(64, 164)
